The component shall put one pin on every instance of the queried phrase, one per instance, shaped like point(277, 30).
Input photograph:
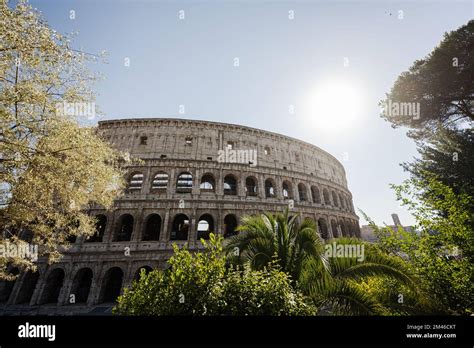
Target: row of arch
point(112, 281)
point(180, 227)
point(184, 184)
point(110, 286)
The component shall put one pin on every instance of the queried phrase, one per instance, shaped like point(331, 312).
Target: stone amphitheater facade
point(195, 177)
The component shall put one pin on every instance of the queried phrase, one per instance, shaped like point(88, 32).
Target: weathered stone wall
point(316, 188)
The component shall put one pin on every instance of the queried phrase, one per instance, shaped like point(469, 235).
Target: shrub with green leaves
point(440, 253)
point(201, 284)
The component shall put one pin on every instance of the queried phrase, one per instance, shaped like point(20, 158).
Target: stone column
point(196, 182)
point(109, 228)
point(16, 288)
point(241, 185)
point(219, 222)
point(165, 235)
point(96, 284)
point(261, 186)
point(296, 194)
point(146, 181)
point(330, 230)
point(220, 184)
point(172, 182)
point(39, 286)
point(279, 187)
point(138, 225)
point(192, 235)
point(63, 297)
point(128, 276)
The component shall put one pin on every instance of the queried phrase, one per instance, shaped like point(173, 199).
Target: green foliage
point(51, 168)
point(201, 284)
point(395, 298)
point(440, 252)
point(443, 84)
point(336, 289)
point(266, 238)
point(440, 190)
point(331, 282)
point(264, 292)
point(449, 156)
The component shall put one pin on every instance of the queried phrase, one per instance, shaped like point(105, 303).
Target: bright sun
point(335, 104)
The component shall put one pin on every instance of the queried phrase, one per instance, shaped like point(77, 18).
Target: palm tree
point(277, 238)
point(299, 251)
point(336, 290)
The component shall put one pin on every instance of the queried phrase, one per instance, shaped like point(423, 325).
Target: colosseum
point(195, 177)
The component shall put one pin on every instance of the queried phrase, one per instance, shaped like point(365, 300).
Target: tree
point(440, 253)
point(440, 190)
point(450, 157)
point(277, 237)
point(51, 168)
point(201, 284)
point(331, 281)
point(442, 84)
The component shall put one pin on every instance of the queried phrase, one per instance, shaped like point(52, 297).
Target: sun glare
point(334, 105)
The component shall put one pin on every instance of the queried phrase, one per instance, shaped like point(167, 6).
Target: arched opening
point(7, 286)
point(100, 224)
point(27, 288)
point(81, 285)
point(230, 224)
point(205, 226)
point(147, 269)
point(323, 228)
point(208, 183)
point(327, 200)
point(180, 228)
point(251, 186)
point(349, 230)
point(302, 192)
point(135, 182)
point(334, 199)
point(152, 228)
point(335, 232)
point(286, 189)
point(160, 182)
point(230, 185)
point(111, 285)
point(124, 228)
point(269, 188)
point(342, 226)
point(184, 183)
point(53, 286)
point(315, 194)
point(341, 201)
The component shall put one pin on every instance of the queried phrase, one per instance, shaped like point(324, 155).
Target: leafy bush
point(201, 284)
point(440, 253)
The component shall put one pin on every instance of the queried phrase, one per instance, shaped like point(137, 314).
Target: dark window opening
point(230, 225)
point(180, 228)
point(152, 228)
point(230, 185)
point(251, 187)
point(125, 228)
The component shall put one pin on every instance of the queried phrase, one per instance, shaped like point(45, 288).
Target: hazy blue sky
point(282, 62)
